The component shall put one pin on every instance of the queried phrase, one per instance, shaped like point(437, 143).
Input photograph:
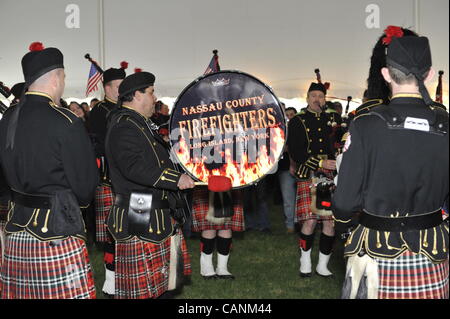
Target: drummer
point(240, 116)
point(311, 153)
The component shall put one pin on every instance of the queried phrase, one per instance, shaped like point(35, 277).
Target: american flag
point(213, 65)
point(94, 77)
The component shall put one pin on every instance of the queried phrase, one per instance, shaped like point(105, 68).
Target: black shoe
point(305, 275)
point(210, 277)
point(324, 276)
point(230, 277)
point(108, 296)
point(167, 295)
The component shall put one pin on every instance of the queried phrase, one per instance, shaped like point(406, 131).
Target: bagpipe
point(88, 57)
point(227, 131)
point(4, 90)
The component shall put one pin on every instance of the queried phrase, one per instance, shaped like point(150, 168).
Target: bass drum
point(230, 124)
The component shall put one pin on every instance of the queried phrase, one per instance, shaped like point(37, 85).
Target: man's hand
point(185, 182)
point(292, 169)
point(329, 164)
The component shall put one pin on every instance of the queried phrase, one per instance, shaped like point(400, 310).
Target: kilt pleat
point(187, 269)
point(412, 276)
point(3, 213)
point(200, 207)
point(34, 269)
point(142, 269)
point(103, 203)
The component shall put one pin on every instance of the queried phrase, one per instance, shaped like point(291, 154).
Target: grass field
point(265, 266)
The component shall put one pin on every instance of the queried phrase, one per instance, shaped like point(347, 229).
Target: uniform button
point(321, 151)
point(319, 129)
point(307, 130)
point(154, 143)
point(320, 140)
point(310, 141)
point(162, 162)
point(309, 152)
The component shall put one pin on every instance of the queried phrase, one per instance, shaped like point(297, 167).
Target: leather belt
point(401, 224)
point(32, 201)
point(124, 202)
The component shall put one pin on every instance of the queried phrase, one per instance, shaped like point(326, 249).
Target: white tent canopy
point(280, 42)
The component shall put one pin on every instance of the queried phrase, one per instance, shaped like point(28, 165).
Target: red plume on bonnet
point(137, 70)
point(36, 46)
point(219, 183)
point(391, 32)
point(124, 65)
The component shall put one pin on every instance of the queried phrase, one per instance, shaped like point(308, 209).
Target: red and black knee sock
point(326, 244)
point(109, 249)
point(224, 245)
point(207, 245)
point(305, 242)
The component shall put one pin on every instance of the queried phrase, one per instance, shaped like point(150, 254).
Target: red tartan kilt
point(103, 203)
point(142, 269)
point(2, 239)
point(200, 209)
point(35, 269)
point(3, 217)
point(303, 203)
point(412, 276)
point(187, 269)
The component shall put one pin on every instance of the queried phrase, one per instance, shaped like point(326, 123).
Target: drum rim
point(212, 74)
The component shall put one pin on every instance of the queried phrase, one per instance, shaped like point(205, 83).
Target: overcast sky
point(280, 42)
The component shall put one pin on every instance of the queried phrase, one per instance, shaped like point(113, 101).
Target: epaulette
point(120, 117)
point(100, 104)
point(360, 116)
point(439, 105)
point(329, 111)
point(68, 114)
point(95, 104)
point(302, 111)
point(366, 106)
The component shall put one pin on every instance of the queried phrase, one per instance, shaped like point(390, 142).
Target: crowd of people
point(102, 173)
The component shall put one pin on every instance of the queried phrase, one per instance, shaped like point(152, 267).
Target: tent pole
point(101, 21)
point(417, 16)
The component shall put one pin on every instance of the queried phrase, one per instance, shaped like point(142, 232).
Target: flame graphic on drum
point(243, 172)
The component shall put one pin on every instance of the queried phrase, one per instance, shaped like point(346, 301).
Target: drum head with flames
point(229, 124)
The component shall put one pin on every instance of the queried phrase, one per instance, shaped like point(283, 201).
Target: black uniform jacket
point(308, 141)
point(139, 162)
point(97, 124)
point(394, 173)
point(52, 153)
point(98, 121)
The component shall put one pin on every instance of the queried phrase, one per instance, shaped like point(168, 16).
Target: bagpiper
point(49, 164)
point(98, 119)
point(311, 152)
point(148, 209)
point(389, 175)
